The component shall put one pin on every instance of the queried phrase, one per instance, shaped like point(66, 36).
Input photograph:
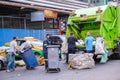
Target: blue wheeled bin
point(29, 58)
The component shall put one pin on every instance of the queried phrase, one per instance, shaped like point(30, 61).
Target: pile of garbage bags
point(81, 61)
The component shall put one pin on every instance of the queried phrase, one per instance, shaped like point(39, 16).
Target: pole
point(25, 25)
point(43, 31)
point(89, 3)
point(3, 39)
point(2, 22)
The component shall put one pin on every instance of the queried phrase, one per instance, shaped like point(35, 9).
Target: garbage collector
point(71, 45)
point(89, 43)
point(45, 44)
point(11, 54)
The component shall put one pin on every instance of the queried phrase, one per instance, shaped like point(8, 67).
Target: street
point(108, 71)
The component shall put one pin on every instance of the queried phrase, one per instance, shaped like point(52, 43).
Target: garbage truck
point(101, 21)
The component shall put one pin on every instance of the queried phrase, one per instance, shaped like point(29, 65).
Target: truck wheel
point(1, 65)
point(115, 56)
point(118, 56)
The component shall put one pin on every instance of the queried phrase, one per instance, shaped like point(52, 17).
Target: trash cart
point(29, 58)
point(53, 58)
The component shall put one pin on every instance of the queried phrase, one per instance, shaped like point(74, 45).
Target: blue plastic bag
point(104, 57)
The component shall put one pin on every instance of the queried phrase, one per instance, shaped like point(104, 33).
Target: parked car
point(36, 45)
point(3, 59)
point(3, 62)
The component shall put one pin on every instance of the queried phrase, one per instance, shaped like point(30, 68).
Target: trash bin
point(53, 58)
point(29, 58)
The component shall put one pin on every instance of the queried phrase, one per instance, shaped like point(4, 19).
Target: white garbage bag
point(64, 47)
point(99, 46)
point(80, 61)
point(24, 46)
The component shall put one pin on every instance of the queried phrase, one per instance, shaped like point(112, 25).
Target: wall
point(7, 34)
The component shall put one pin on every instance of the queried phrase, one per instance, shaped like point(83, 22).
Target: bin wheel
point(47, 70)
point(58, 70)
point(28, 67)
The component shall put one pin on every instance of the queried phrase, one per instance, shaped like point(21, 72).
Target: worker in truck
point(89, 43)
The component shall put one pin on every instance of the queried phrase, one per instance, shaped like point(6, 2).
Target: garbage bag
point(99, 46)
point(80, 61)
point(20, 63)
point(104, 57)
point(64, 48)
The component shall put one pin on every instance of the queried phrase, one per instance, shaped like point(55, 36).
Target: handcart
point(29, 58)
point(53, 58)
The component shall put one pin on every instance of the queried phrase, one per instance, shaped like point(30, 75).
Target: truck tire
point(118, 55)
point(115, 56)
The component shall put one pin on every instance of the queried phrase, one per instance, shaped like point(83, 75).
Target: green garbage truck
point(101, 21)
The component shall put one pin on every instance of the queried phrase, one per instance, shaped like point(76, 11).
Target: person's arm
point(45, 44)
point(85, 41)
point(76, 40)
point(16, 47)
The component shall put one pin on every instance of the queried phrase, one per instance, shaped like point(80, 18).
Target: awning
point(64, 6)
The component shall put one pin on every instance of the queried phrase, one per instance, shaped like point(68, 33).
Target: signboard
point(37, 16)
point(50, 14)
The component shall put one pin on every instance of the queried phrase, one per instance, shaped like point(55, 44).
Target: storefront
point(23, 26)
point(15, 18)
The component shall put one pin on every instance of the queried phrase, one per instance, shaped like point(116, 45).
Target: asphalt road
point(108, 71)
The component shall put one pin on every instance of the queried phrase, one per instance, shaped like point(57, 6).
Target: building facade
point(101, 2)
point(15, 17)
